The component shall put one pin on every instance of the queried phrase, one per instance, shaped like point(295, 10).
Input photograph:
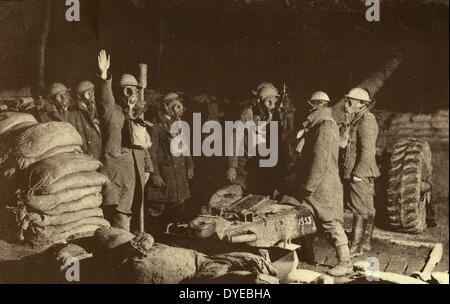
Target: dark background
point(226, 48)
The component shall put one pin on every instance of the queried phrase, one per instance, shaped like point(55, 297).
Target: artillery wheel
point(409, 185)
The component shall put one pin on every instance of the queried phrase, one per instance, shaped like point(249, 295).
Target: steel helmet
point(320, 96)
point(57, 88)
point(267, 90)
point(359, 94)
point(84, 86)
point(260, 86)
point(128, 80)
point(171, 97)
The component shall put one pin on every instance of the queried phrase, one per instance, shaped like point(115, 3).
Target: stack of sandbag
point(56, 188)
point(432, 128)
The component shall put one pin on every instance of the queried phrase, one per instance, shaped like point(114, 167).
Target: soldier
point(41, 104)
point(169, 187)
point(87, 123)
point(125, 143)
point(245, 170)
point(359, 168)
point(61, 101)
point(317, 183)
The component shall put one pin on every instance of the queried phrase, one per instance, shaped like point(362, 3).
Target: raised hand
point(104, 62)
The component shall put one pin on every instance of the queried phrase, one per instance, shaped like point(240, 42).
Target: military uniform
point(125, 163)
point(317, 183)
point(358, 159)
point(167, 202)
point(249, 174)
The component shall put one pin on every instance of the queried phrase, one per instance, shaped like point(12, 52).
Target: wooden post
point(42, 43)
point(161, 49)
point(143, 83)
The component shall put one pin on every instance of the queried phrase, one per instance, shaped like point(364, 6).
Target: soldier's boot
point(121, 220)
point(344, 266)
point(358, 235)
point(367, 241)
point(431, 216)
point(306, 252)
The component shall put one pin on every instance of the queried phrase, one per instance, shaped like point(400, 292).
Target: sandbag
point(11, 119)
point(240, 277)
point(25, 162)
point(439, 124)
point(50, 170)
point(412, 125)
point(86, 202)
point(111, 237)
point(442, 133)
point(46, 202)
point(442, 112)
point(416, 132)
point(382, 115)
point(41, 138)
point(421, 118)
point(75, 233)
point(74, 181)
point(9, 135)
point(59, 255)
point(44, 234)
point(401, 118)
point(63, 218)
point(7, 141)
point(161, 265)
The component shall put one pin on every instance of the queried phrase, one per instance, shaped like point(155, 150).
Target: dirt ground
point(396, 252)
point(22, 264)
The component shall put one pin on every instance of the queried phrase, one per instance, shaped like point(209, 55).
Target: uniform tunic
point(249, 174)
point(172, 169)
point(358, 159)
point(317, 183)
point(125, 164)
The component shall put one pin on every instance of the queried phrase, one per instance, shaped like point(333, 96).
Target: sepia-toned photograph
point(201, 142)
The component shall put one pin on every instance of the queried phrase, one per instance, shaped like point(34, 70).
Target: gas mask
point(62, 101)
point(174, 108)
point(267, 106)
point(353, 106)
point(315, 104)
point(135, 107)
point(87, 102)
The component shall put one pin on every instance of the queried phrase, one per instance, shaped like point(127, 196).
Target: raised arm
point(104, 95)
point(104, 62)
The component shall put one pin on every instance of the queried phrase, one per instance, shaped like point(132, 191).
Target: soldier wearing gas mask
point(168, 188)
point(317, 182)
point(60, 99)
point(125, 143)
point(245, 170)
point(86, 99)
point(87, 122)
point(359, 167)
point(63, 109)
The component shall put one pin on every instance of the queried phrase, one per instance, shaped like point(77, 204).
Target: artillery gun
point(254, 220)
point(234, 221)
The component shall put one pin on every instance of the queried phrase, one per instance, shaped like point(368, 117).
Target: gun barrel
point(375, 81)
point(143, 75)
point(372, 84)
